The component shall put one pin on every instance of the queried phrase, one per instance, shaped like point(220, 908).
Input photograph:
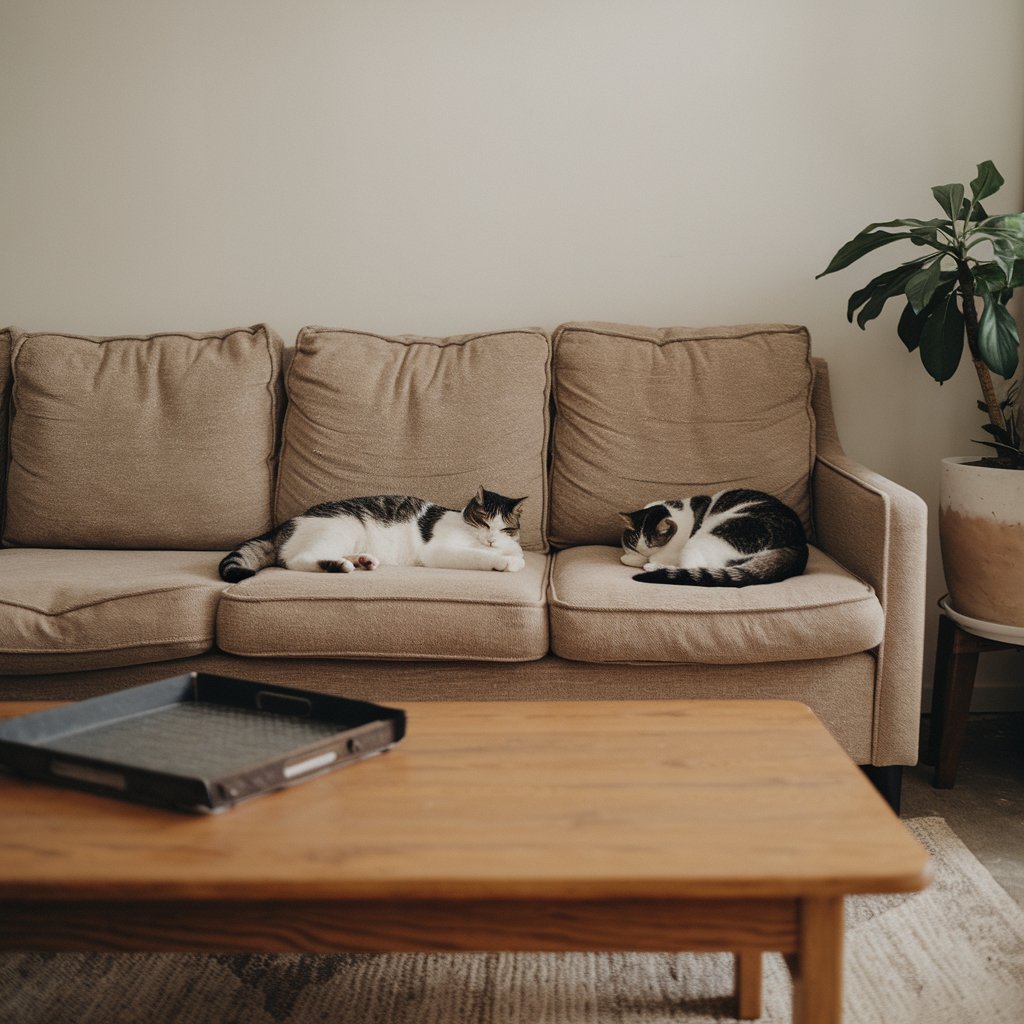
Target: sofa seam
point(380, 600)
point(274, 354)
point(289, 405)
point(812, 439)
point(716, 611)
point(6, 406)
point(705, 661)
point(377, 656)
point(101, 340)
point(109, 647)
point(111, 599)
point(444, 342)
point(549, 430)
point(607, 333)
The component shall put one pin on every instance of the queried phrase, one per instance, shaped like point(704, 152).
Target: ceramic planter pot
point(981, 529)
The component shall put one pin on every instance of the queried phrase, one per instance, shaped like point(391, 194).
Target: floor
point(986, 806)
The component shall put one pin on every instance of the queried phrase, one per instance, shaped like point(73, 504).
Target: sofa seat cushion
point(393, 612)
point(68, 611)
point(600, 614)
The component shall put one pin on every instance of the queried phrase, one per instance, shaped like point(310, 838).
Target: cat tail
point(249, 557)
point(765, 567)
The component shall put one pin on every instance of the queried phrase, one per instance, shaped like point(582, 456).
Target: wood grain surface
point(645, 800)
point(284, 926)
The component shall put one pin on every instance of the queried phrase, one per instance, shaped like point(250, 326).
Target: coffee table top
point(494, 800)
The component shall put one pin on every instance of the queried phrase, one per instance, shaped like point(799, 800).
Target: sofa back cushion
point(5, 409)
point(431, 417)
point(165, 441)
point(644, 414)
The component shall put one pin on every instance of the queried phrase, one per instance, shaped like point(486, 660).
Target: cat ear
point(666, 527)
point(626, 517)
point(517, 503)
point(480, 495)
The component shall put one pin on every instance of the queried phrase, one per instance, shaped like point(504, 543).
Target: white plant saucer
point(979, 627)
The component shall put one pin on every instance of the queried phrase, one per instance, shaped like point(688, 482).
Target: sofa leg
point(888, 780)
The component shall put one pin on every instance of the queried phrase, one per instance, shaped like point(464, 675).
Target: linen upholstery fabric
point(392, 612)
point(5, 394)
point(838, 690)
point(430, 417)
point(868, 700)
point(164, 441)
point(878, 529)
point(644, 414)
point(71, 610)
point(599, 613)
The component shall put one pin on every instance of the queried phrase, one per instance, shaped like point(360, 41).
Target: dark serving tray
point(197, 742)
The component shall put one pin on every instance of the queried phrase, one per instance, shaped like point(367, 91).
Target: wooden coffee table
point(644, 825)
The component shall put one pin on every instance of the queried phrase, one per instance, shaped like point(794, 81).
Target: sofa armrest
point(878, 530)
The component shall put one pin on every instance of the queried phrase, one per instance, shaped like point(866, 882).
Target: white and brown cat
point(729, 539)
point(362, 533)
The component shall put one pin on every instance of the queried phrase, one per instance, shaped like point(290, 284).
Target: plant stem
point(988, 391)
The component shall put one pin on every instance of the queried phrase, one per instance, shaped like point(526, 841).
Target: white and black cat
point(728, 539)
point(362, 533)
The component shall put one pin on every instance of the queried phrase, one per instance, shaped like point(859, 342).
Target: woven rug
point(953, 954)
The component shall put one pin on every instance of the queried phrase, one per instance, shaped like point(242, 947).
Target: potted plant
point(955, 292)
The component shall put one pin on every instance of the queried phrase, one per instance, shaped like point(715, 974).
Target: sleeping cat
point(728, 539)
point(362, 533)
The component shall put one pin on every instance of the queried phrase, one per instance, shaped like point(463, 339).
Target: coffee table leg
point(817, 967)
point(748, 985)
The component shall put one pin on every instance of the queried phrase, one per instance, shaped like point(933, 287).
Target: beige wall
point(465, 164)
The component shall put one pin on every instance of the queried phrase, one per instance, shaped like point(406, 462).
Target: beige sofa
point(133, 464)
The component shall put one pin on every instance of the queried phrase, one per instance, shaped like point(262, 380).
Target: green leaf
point(878, 290)
point(1009, 246)
point(930, 236)
point(911, 323)
point(1004, 242)
point(997, 338)
point(861, 245)
point(988, 277)
point(909, 327)
point(950, 198)
point(1005, 224)
point(942, 340)
point(912, 222)
point(1003, 259)
point(988, 182)
point(921, 286)
point(977, 213)
point(1013, 457)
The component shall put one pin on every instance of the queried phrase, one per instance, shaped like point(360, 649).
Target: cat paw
point(367, 562)
point(510, 563)
point(332, 565)
point(652, 566)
